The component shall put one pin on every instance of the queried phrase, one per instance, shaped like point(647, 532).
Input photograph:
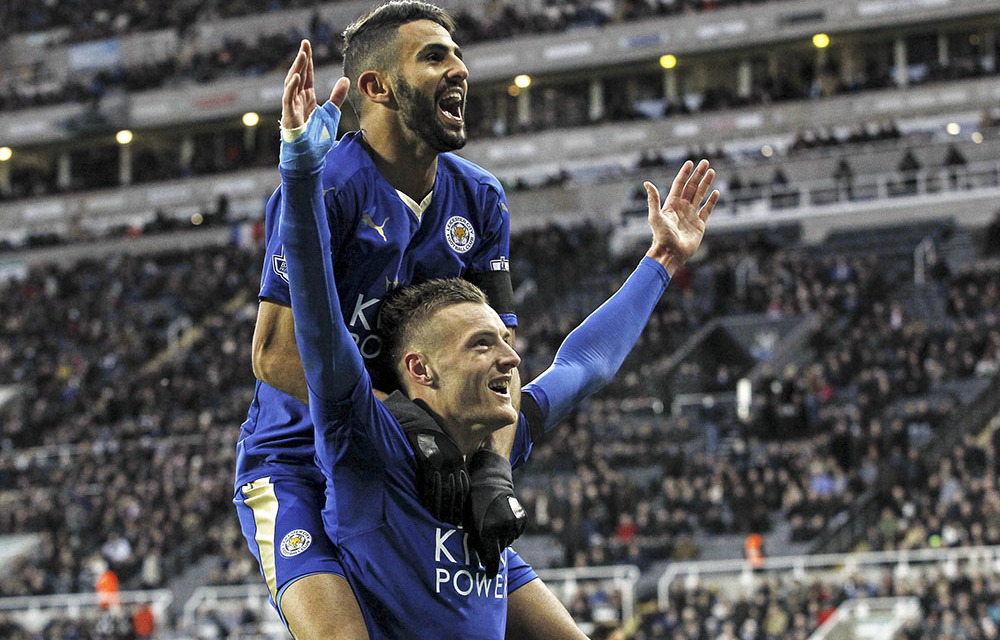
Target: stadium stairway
point(190, 335)
point(923, 301)
point(869, 619)
point(972, 418)
point(183, 584)
point(960, 249)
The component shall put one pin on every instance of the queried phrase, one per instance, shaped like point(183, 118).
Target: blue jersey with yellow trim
point(378, 243)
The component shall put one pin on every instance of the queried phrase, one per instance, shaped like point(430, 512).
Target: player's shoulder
point(347, 163)
point(463, 170)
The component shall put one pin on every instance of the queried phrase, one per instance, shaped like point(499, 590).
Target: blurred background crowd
point(810, 392)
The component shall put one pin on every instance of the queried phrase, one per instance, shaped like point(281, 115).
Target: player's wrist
point(670, 260)
point(291, 134)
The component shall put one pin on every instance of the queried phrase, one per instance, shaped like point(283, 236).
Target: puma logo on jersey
point(371, 223)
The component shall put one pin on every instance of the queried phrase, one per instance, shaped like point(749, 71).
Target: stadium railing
point(100, 211)
point(741, 578)
point(615, 586)
point(869, 618)
point(34, 612)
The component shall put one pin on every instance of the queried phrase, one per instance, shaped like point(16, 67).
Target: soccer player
point(413, 574)
point(404, 210)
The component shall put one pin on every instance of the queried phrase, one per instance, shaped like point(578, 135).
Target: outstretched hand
point(299, 98)
point(679, 224)
point(306, 151)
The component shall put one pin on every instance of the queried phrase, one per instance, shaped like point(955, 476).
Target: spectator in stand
point(955, 163)
point(992, 239)
point(909, 166)
point(843, 177)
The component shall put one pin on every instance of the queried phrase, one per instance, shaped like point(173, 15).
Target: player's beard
point(420, 114)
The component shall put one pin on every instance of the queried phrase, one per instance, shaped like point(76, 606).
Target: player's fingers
point(706, 211)
point(288, 97)
point(452, 498)
point(296, 64)
point(492, 561)
point(652, 197)
point(696, 177)
point(436, 496)
point(309, 79)
point(466, 486)
point(339, 92)
point(704, 186)
point(680, 180)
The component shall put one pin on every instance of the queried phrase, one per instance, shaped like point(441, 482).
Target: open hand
point(679, 224)
point(299, 98)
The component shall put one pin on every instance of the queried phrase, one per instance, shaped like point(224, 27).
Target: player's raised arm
point(593, 352)
point(276, 359)
point(330, 358)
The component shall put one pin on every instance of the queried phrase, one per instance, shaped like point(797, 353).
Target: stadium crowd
point(634, 488)
point(36, 86)
point(958, 604)
point(568, 104)
point(94, 19)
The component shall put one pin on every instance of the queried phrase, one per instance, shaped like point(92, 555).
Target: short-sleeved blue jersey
point(378, 243)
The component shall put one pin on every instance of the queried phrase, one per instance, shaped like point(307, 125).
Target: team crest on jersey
point(295, 542)
point(459, 234)
point(280, 265)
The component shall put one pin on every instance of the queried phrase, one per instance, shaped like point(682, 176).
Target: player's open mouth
point(501, 387)
point(450, 106)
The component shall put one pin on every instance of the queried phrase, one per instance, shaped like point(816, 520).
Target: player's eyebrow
point(437, 47)
point(481, 333)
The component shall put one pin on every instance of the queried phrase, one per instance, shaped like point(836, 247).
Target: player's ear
point(373, 86)
point(417, 369)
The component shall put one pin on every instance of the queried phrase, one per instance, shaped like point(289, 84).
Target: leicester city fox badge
point(295, 542)
point(459, 233)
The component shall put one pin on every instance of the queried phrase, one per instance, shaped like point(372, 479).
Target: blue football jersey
point(413, 576)
point(379, 242)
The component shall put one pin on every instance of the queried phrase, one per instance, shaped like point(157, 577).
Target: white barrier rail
point(740, 575)
point(230, 601)
point(33, 612)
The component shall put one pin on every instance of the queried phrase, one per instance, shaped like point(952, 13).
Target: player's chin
point(452, 135)
point(500, 416)
point(506, 416)
point(454, 141)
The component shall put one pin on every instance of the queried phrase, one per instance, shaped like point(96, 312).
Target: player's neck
point(409, 165)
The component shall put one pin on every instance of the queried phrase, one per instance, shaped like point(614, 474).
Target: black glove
point(493, 516)
point(442, 481)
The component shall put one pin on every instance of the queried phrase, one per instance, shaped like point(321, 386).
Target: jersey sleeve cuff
point(658, 268)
